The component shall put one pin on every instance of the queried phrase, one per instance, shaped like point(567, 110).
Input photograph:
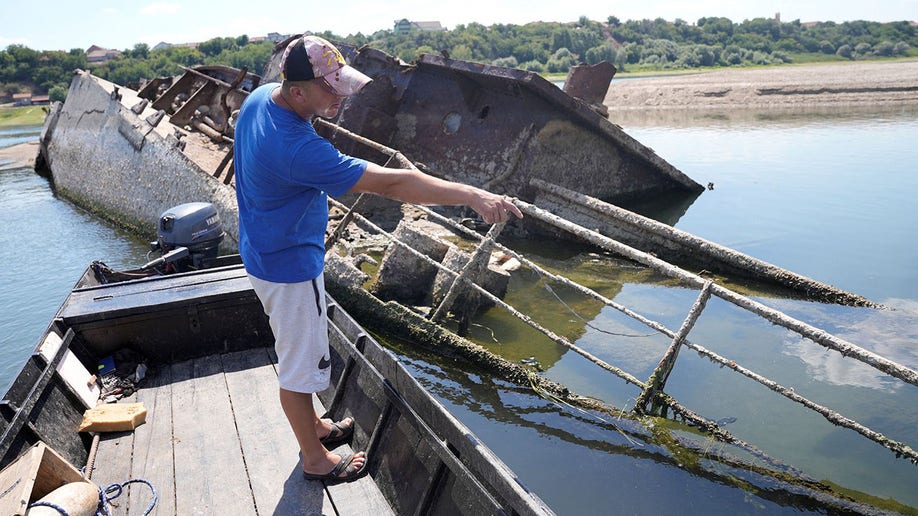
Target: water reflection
point(619, 463)
point(667, 208)
point(892, 334)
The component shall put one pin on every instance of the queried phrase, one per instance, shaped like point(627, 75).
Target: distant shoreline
point(773, 88)
point(812, 85)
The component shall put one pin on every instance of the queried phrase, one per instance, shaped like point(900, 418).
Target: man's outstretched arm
point(413, 186)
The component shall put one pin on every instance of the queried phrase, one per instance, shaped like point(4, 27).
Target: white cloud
point(892, 334)
point(160, 8)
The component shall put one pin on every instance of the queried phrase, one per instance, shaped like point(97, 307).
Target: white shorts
point(297, 316)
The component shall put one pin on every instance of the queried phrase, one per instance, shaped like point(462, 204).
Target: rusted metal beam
point(657, 380)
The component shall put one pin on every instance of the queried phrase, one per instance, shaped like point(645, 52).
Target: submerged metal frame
point(653, 400)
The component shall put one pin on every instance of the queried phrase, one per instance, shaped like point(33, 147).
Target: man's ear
point(299, 88)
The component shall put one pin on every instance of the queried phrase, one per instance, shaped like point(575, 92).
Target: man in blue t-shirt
point(284, 172)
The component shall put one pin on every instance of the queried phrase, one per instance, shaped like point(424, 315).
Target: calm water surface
point(45, 244)
point(828, 195)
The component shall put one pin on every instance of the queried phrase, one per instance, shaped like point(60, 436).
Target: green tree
point(140, 51)
point(664, 50)
point(768, 28)
point(461, 52)
point(862, 50)
point(604, 52)
point(57, 94)
point(253, 57)
point(884, 49)
point(732, 55)
point(533, 66)
point(561, 38)
point(788, 45)
point(716, 30)
point(752, 41)
point(530, 52)
point(24, 61)
point(780, 57)
point(184, 56)
point(560, 61)
point(760, 58)
point(506, 62)
point(215, 46)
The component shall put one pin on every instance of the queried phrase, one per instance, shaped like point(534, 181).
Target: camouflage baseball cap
point(311, 57)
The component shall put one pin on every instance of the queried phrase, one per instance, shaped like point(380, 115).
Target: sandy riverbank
point(789, 86)
point(22, 155)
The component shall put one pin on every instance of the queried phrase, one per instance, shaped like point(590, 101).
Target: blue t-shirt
point(283, 172)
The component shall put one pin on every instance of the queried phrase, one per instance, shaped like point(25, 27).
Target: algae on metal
point(396, 320)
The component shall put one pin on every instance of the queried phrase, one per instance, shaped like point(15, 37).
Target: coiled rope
point(106, 495)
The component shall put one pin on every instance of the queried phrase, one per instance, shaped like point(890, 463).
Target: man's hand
point(493, 208)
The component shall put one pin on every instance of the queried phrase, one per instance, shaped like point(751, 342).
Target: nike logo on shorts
point(324, 363)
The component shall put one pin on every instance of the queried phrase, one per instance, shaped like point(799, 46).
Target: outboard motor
point(189, 237)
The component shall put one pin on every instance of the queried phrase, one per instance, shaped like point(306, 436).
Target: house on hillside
point(276, 37)
point(162, 45)
point(404, 26)
point(22, 99)
point(97, 54)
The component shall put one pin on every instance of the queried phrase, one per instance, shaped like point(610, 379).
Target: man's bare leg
point(301, 414)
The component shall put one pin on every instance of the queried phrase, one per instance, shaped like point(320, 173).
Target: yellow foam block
point(113, 417)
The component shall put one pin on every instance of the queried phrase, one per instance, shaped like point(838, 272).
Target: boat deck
point(198, 467)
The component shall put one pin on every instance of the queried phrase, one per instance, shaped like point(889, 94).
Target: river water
point(45, 244)
point(826, 194)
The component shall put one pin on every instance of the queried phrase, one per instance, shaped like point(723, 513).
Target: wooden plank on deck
point(113, 462)
point(153, 459)
point(269, 446)
point(209, 468)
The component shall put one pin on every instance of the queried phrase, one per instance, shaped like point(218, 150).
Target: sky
point(66, 24)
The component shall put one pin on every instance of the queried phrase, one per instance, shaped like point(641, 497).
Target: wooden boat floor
point(216, 441)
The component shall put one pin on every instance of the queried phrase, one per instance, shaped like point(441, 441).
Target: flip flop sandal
point(338, 434)
point(333, 476)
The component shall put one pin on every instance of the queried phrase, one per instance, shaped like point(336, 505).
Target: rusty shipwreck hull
point(496, 128)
